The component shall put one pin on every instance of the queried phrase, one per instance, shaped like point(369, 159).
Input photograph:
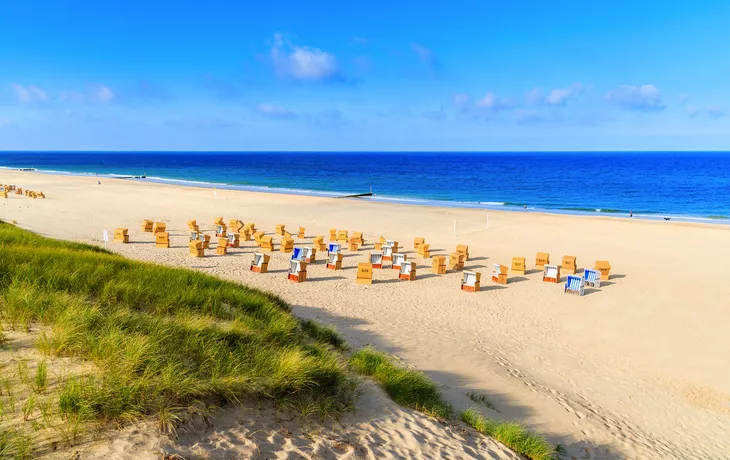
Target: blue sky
point(325, 75)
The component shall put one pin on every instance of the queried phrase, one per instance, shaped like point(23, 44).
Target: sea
point(690, 186)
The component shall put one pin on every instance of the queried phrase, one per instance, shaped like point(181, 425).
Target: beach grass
point(481, 398)
point(512, 435)
point(406, 387)
point(158, 341)
point(324, 334)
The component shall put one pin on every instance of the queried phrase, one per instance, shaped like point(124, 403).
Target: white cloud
point(275, 111)
point(712, 112)
point(460, 99)
point(30, 93)
point(534, 96)
point(103, 94)
point(426, 55)
point(435, 115)
point(557, 96)
point(70, 96)
point(100, 94)
point(490, 101)
point(302, 62)
point(644, 97)
point(527, 116)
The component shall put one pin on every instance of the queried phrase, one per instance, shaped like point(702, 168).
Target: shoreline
point(608, 373)
point(487, 206)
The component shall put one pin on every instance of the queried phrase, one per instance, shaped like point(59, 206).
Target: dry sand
point(636, 369)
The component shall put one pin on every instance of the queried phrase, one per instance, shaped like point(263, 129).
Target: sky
point(372, 76)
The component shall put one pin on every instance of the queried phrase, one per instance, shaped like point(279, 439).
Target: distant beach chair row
point(5, 189)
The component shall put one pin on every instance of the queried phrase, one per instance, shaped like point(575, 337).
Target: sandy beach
point(636, 369)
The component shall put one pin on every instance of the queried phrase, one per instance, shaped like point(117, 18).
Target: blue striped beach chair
point(575, 285)
point(298, 254)
point(333, 247)
point(592, 277)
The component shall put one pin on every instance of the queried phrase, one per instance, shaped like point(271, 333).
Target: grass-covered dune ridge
point(161, 339)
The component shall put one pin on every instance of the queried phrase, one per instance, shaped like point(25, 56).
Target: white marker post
point(487, 221)
point(106, 237)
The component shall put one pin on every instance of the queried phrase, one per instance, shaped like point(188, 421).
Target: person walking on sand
point(525, 207)
point(631, 214)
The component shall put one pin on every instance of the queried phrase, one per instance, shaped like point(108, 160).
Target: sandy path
point(636, 369)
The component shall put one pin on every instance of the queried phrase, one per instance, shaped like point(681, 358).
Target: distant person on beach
point(631, 214)
point(525, 207)
point(98, 182)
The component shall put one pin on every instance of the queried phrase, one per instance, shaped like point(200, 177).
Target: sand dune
point(636, 369)
point(377, 429)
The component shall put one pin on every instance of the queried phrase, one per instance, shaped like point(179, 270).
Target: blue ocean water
point(693, 185)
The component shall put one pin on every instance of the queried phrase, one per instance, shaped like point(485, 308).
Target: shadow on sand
point(455, 387)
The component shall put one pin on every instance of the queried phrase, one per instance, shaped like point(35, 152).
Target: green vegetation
point(41, 377)
point(481, 399)
point(511, 435)
point(406, 387)
point(324, 334)
point(161, 341)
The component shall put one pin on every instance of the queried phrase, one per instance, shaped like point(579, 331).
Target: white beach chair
point(551, 273)
point(334, 247)
point(499, 274)
point(307, 254)
point(470, 281)
point(294, 266)
point(407, 271)
point(334, 261)
point(376, 259)
point(297, 271)
point(592, 277)
point(260, 263)
point(575, 285)
point(398, 260)
point(298, 254)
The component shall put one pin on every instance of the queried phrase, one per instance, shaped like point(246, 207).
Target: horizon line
point(2, 151)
